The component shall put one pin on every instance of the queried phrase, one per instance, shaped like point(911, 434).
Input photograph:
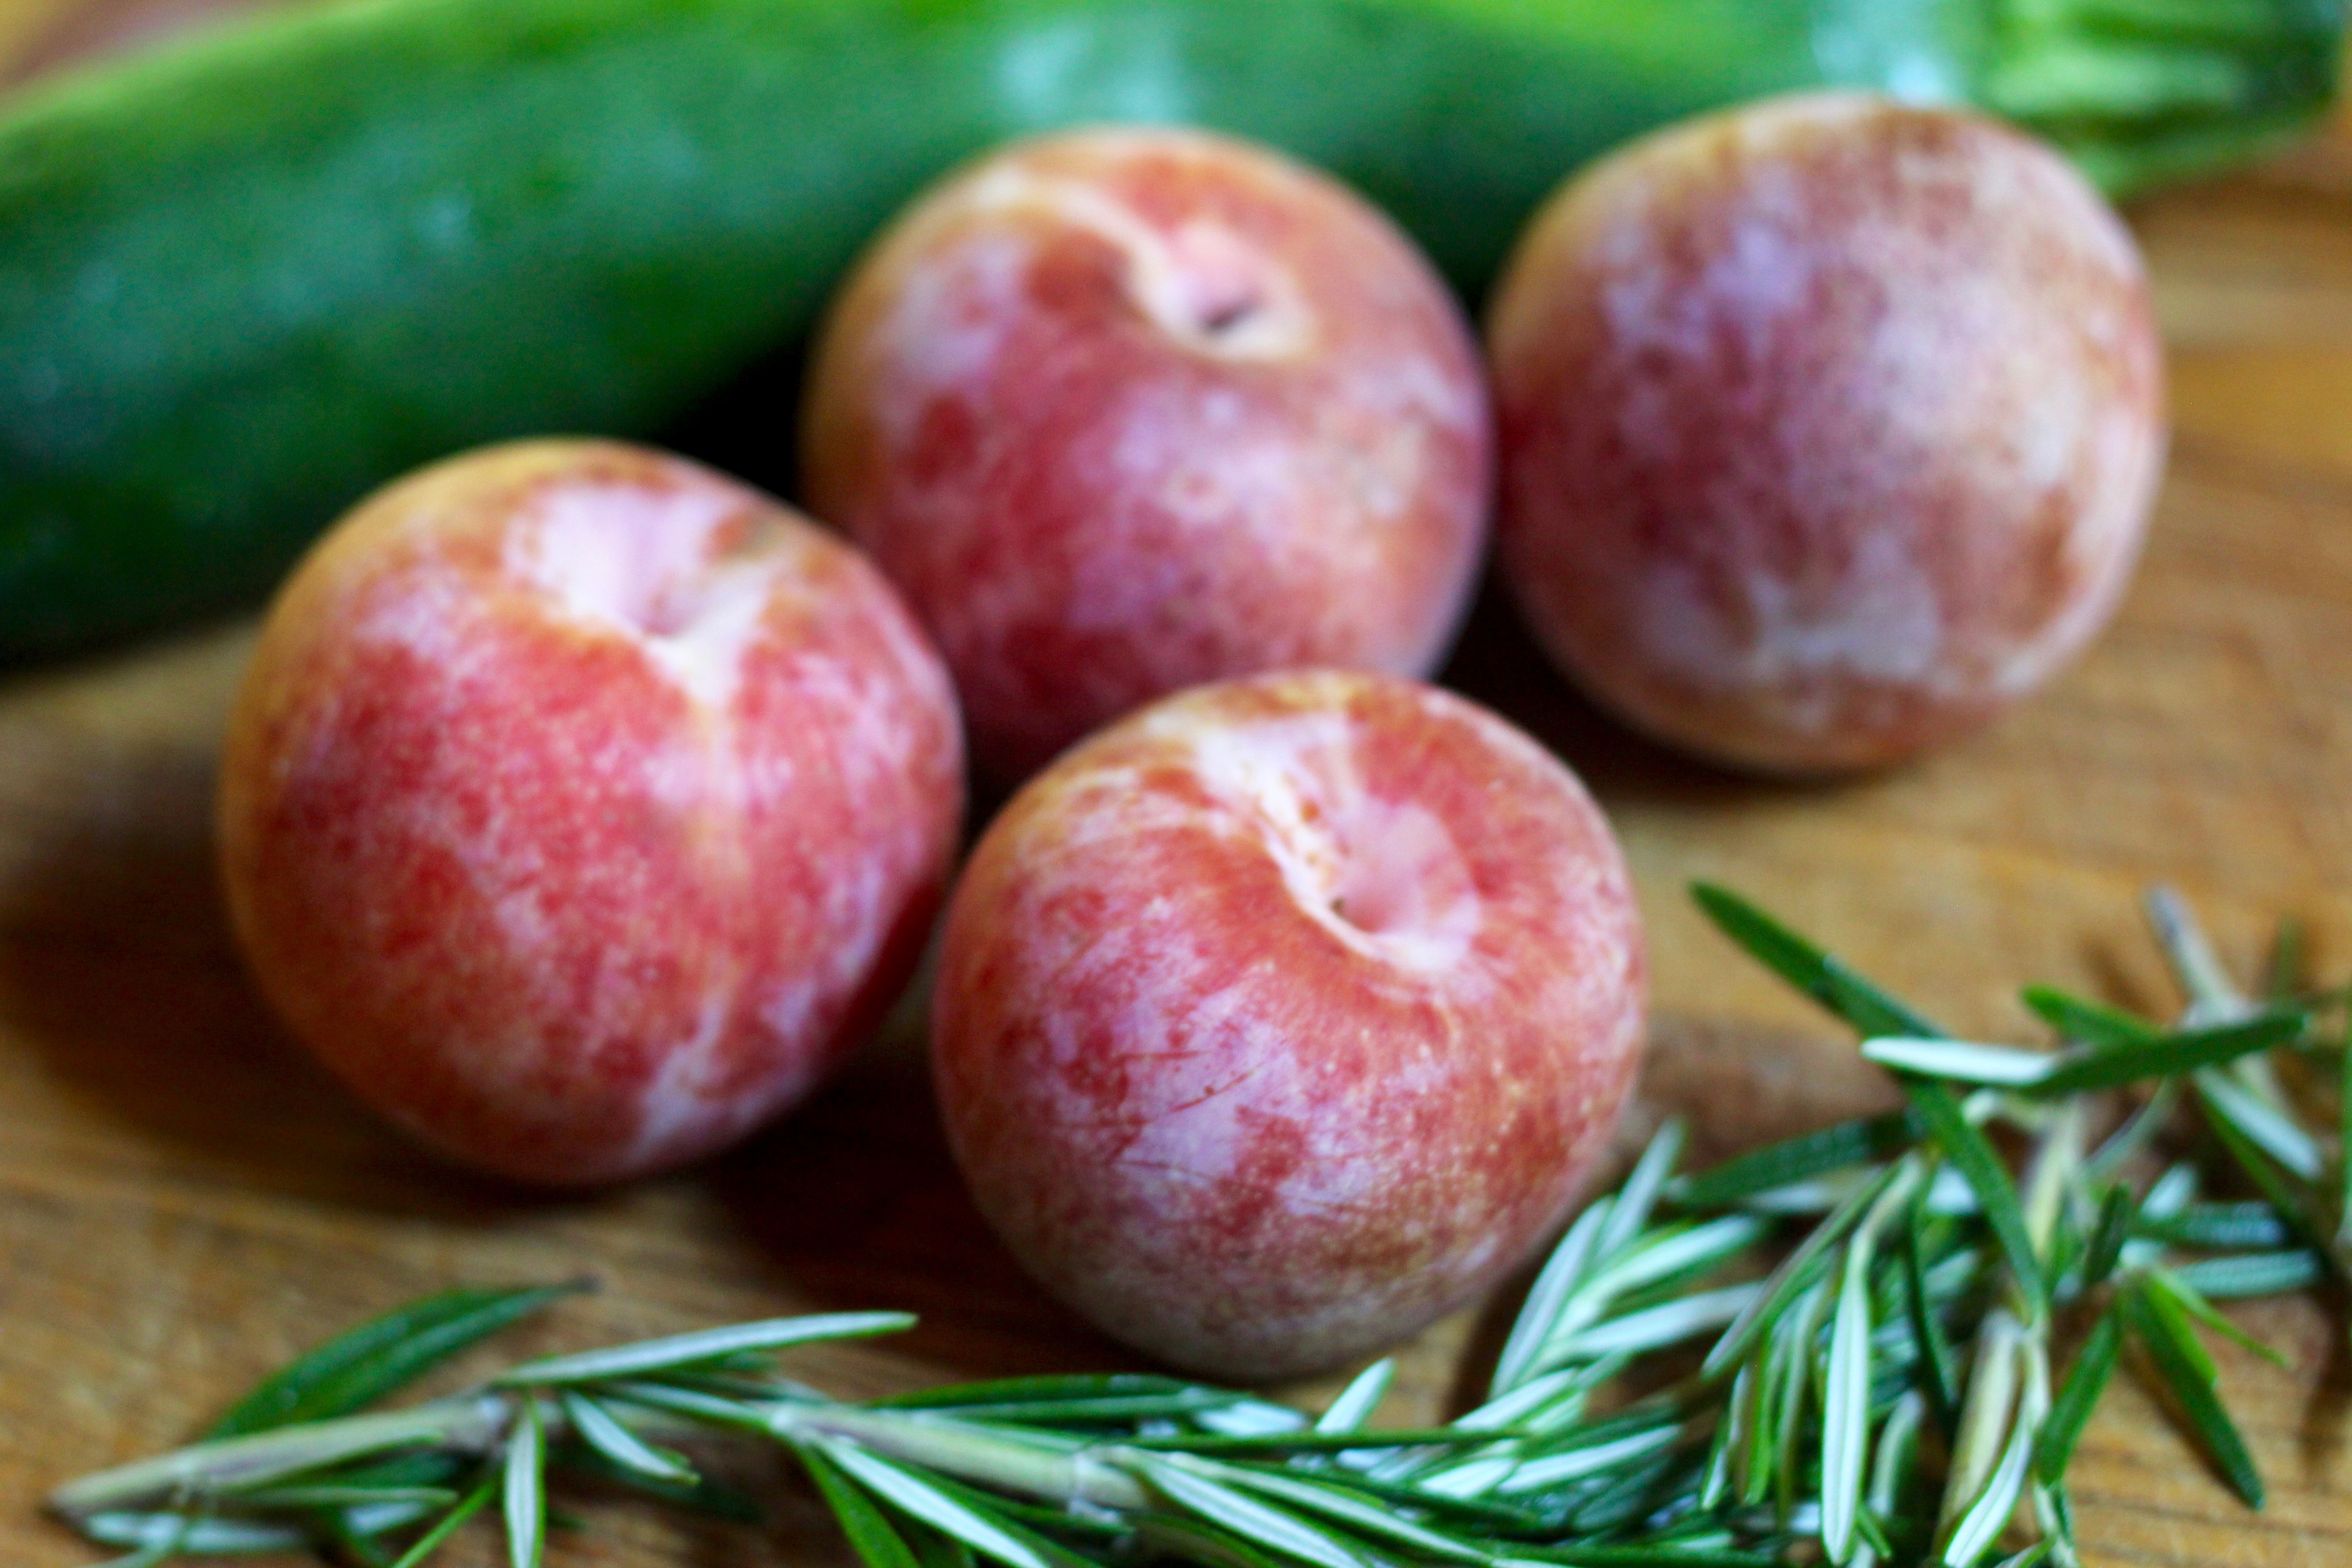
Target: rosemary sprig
point(1800, 1323)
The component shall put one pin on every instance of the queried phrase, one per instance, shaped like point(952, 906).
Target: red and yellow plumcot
point(1829, 427)
point(1122, 411)
point(1286, 1015)
point(581, 806)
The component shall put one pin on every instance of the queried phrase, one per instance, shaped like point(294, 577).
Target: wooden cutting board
point(184, 1202)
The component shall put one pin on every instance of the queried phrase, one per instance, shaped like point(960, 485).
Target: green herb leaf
point(1637, 1555)
point(1811, 969)
point(870, 1532)
point(1283, 1444)
point(1796, 1273)
point(2173, 1350)
point(1846, 1406)
point(1637, 1195)
point(1096, 1525)
point(693, 1403)
point(2180, 1293)
point(1248, 1418)
point(1548, 1297)
point(330, 1494)
point(2283, 975)
point(1477, 1508)
point(2168, 1055)
point(1667, 1255)
point(1937, 1375)
point(1277, 1443)
point(145, 1557)
point(364, 1522)
point(2252, 1274)
point(2260, 1123)
point(449, 1469)
point(1795, 1349)
point(1084, 1392)
point(1891, 1466)
point(228, 1465)
point(2092, 1022)
point(2137, 1129)
point(1834, 1148)
point(2117, 1208)
point(598, 1427)
point(704, 1495)
point(1960, 1062)
point(2171, 1193)
point(2219, 1226)
point(354, 1370)
point(430, 1542)
point(1668, 1323)
point(1973, 1157)
point(937, 1550)
point(1873, 1537)
point(934, 1550)
point(2192, 958)
point(709, 1344)
point(1356, 1403)
point(1364, 1516)
point(1603, 1447)
point(190, 1534)
point(2344, 1146)
point(1184, 1540)
point(524, 1490)
point(1277, 1529)
point(1726, 1456)
point(2053, 1447)
point(2287, 1196)
point(2165, 1305)
point(905, 1489)
point(1980, 1524)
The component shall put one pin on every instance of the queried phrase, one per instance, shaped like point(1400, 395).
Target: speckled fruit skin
point(1125, 411)
point(1286, 1015)
point(581, 806)
point(1829, 427)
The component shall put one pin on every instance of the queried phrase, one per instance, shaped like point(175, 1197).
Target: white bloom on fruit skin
point(1203, 284)
point(1880, 621)
point(945, 329)
point(1381, 875)
point(679, 1106)
point(639, 564)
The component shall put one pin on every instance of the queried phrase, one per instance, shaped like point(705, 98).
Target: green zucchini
point(247, 278)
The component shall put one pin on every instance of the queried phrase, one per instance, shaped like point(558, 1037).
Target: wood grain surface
point(184, 1201)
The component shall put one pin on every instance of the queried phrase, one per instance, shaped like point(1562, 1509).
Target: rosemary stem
point(2056, 1169)
point(1078, 1473)
point(2055, 1176)
point(2214, 997)
point(2032, 1410)
point(471, 1422)
point(1986, 1409)
point(1910, 1170)
point(2008, 1378)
